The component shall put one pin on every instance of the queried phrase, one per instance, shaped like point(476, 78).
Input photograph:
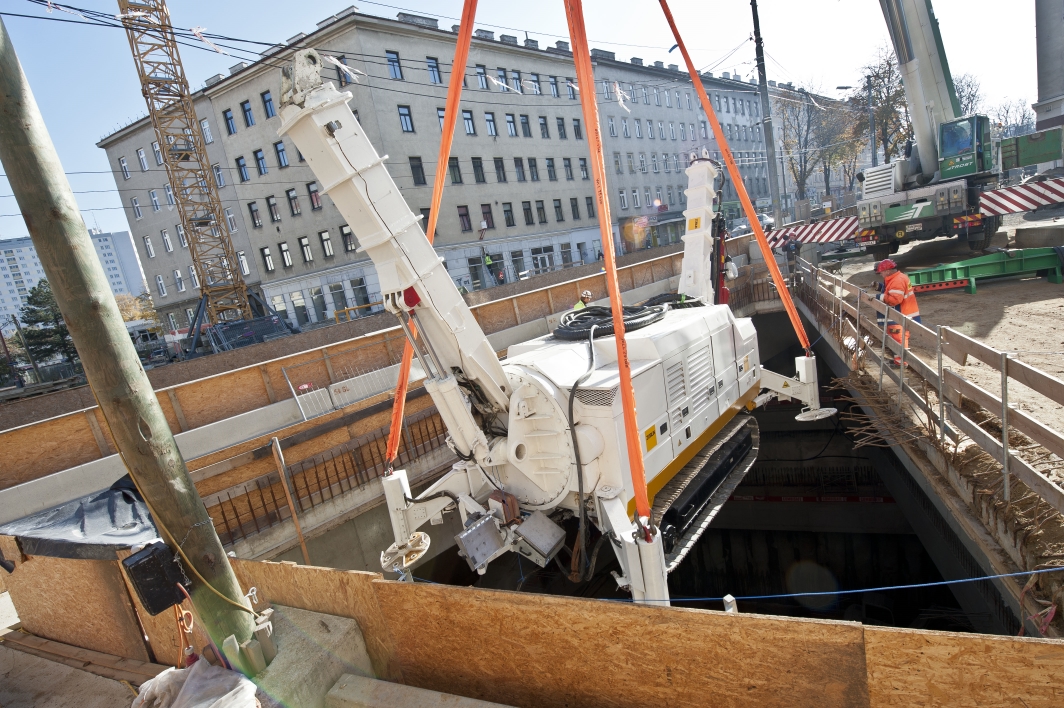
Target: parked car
point(742, 226)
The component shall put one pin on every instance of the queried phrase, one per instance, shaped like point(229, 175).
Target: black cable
point(578, 324)
point(581, 536)
point(675, 301)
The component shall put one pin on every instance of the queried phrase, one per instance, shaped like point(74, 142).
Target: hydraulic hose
point(577, 565)
point(576, 324)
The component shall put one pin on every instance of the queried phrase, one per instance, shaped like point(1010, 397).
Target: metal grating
point(596, 396)
point(674, 382)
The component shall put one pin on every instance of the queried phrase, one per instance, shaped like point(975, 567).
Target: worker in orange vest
point(897, 293)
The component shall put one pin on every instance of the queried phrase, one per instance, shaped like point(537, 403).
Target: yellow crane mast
point(166, 90)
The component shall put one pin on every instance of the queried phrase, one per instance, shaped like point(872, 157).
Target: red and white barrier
point(820, 232)
point(1021, 198)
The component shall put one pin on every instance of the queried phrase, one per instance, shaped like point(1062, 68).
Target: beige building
point(519, 200)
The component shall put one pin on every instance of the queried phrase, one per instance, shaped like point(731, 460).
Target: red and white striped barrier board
point(820, 232)
point(1023, 197)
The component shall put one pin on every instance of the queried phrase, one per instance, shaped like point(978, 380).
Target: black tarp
point(90, 528)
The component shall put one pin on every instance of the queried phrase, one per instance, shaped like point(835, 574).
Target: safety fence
point(752, 290)
point(260, 503)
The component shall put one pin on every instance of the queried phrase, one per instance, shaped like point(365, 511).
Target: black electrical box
point(155, 575)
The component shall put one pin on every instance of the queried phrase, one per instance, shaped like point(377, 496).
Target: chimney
point(350, 10)
point(532, 43)
point(508, 39)
point(455, 28)
point(709, 74)
point(603, 54)
point(753, 80)
point(637, 61)
point(237, 67)
point(673, 67)
point(327, 21)
point(212, 80)
point(419, 20)
point(772, 83)
point(295, 38)
point(725, 74)
point(564, 46)
point(659, 64)
point(484, 34)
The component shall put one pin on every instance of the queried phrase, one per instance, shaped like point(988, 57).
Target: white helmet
point(587, 294)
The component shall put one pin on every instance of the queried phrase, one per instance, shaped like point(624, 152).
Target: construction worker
point(898, 293)
point(585, 298)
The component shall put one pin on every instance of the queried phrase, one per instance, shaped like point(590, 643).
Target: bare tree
point(797, 120)
point(833, 133)
point(969, 94)
point(1012, 118)
point(893, 126)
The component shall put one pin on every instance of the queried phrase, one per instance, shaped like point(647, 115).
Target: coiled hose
point(577, 325)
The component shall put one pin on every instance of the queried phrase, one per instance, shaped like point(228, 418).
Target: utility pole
point(766, 112)
point(871, 121)
point(26, 346)
point(111, 364)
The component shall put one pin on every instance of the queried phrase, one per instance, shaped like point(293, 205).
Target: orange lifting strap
point(740, 188)
point(450, 119)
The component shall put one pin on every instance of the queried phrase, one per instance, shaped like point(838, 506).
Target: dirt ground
point(1023, 316)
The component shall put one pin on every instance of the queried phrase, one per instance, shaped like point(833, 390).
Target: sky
point(86, 85)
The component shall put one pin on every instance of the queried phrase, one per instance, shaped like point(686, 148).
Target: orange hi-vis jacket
point(898, 292)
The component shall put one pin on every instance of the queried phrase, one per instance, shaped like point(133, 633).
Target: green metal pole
point(111, 364)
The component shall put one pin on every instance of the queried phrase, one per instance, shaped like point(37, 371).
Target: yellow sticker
point(695, 223)
point(787, 385)
point(652, 438)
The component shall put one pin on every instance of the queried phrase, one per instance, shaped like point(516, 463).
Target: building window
point(179, 281)
point(456, 171)
point(624, 199)
point(553, 81)
point(293, 201)
point(567, 165)
point(256, 218)
point(624, 128)
point(643, 162)
point(515, 81)
point(249, 117)
point(704, 134)
point(482, 76)
point(544, 130)
point(511, 128)
point(405, 119)
point(638, 124)
point(665, 161)
point(275, 212)
point(124, 166)
point(486, 216)
point(230, 219)
point(635, 198)
point(286, 255)
point(167, 244)
point(242, 169)
point(583, 169)
point(434, 70)
point(181, 236)
point(470, 126)
point(670, 195)
point(526, 127)
point(304, 247)
point(537, 89)
point(519, 168)
point(326, 244)
point(657, 193)
point(230, 124)
point(158, 153)
point(135, 203)
point(205, 128)
point(500, 170)
point(243, 261)
point(590, 203)
point(260, 161)
point(526, 207)
point(160, 285)
point(489, 120)
point(570, 87)
point(654, 161)
point(463, 218)
point(417, 171)
point(501, 81)
point(142, 159)
point(395, 69)
point(661, 130)
point(267, 105)
point(315, 197)
point(282, 156)
point(612, 127)
point(541, 211)
point(607, 93)
point(219, 176)
point(193, 276)
point(148, 248)
point(631, 163)
point(559, 215)
point(169, 194)
point(508, 213)
point(533, 169)
point(617, 163)
point(348, 237)
point(267, 259)
point(683, 134)
point(574, 206)
point(552, 174)
point(646, 197)
point(478, 171)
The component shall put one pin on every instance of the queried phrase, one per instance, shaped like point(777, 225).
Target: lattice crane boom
point(169, 99)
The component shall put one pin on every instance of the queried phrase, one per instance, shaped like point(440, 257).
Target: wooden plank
point(97, 433)
point(542, 650)
point(268, 384)
point(178, 412)
point(141, 668)
point(80, 602)
point(345, 593)
point(1035, 480)
point(1049, 386)
point(1037, 431)
point(919, 668)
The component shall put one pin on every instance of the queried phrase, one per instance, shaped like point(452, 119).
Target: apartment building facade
point(519, 198)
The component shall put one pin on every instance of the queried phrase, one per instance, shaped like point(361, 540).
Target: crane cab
point(965, 147)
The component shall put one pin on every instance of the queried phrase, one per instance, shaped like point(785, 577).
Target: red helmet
point(886, 264)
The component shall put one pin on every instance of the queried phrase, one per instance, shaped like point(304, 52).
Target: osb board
point(346, 593)
point(496, 316)
point(46, 447)
point(210, 400)
point(919, 668)
point(80, 602)
point(533, 306)
point(168, 411)
point(536, 650)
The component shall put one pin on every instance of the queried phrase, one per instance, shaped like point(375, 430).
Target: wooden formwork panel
point(919, 668)
point(345, 593)
point(538, 650)
point(211, 400)
point(79, 602)
point(45, 448)
point(533, 306)
point(565, 296)
point(496, 316)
